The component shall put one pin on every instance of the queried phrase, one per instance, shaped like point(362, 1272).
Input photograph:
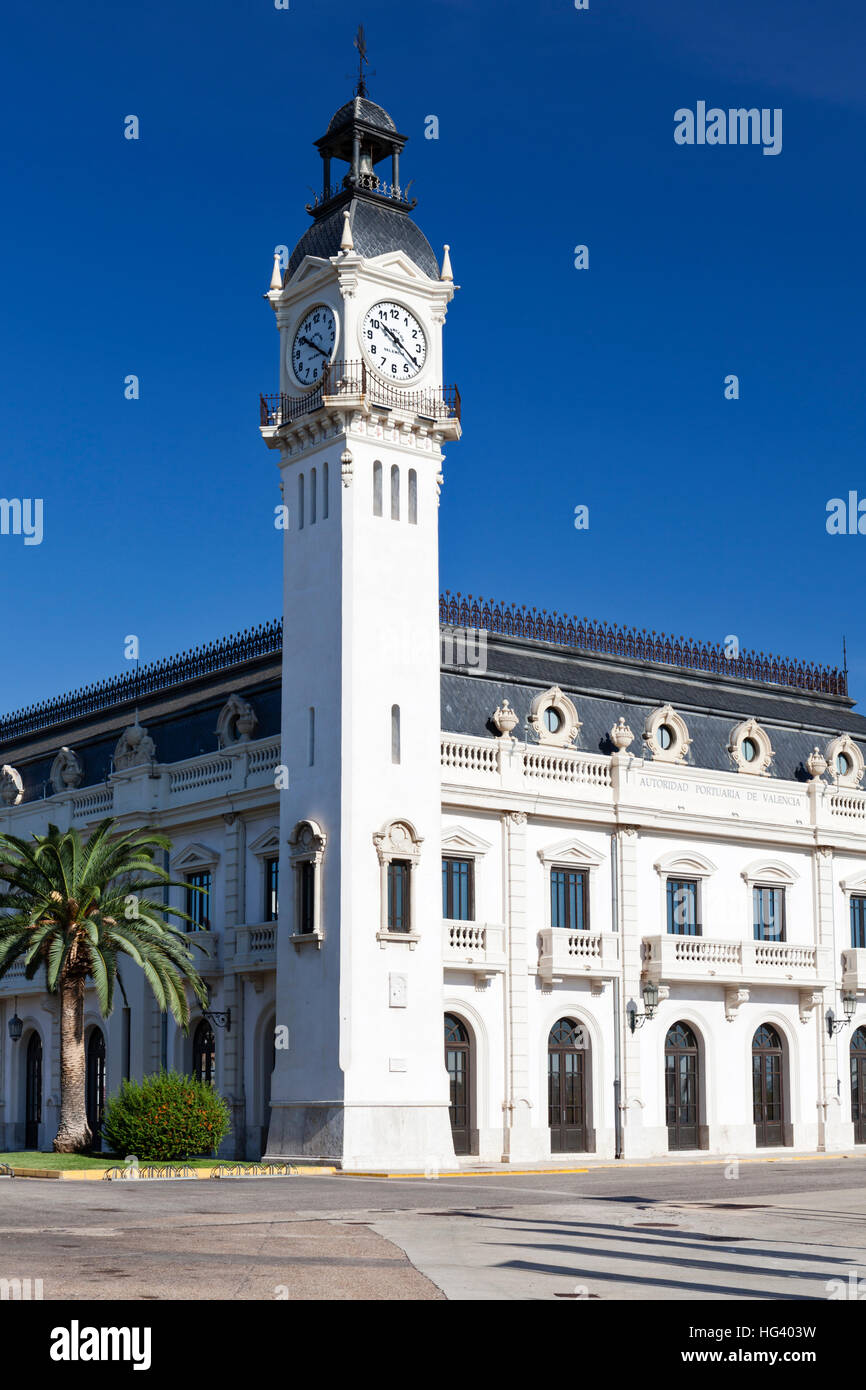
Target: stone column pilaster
point(521, 1126)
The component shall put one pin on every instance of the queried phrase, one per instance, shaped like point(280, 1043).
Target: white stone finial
point(505, 719)
point(276, 273)
point(347, 244)
point(621, 735)
point(447, 272)
point(816, 764)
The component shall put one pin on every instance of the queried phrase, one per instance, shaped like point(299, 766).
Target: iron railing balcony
point(344, 379)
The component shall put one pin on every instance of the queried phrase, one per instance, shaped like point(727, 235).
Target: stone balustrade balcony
point(586, 954)
point(478, 947)
point(854, 970)
point(256, 946)
point(696, 958)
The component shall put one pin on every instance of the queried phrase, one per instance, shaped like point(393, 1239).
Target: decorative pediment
point(570, 851)
point(193, 857)
point(308, 841)
point(458, 840)
point(398, 839)
point(396, 260)
point(689, 865)
point(855, 883)
point(267, 845)
point(236, 722)
point(770, 871)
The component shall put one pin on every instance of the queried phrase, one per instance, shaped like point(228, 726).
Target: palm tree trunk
point(73, 1132)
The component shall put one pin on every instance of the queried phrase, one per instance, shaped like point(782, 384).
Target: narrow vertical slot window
point(395, 493)
point(413, 497)
point(300, 501)
point(312, 496)
point(312, 741)
point(395, 733)
point(325, 491)
point(377, 488)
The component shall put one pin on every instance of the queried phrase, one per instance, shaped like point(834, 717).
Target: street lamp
point(16, 1027)
point(834, 1024)
point(650, 994)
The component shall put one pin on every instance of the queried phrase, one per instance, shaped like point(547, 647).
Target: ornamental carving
point(397, 840)
point(750, 748)
point(844, 761)
point(621, 735)
point(553, 718)
point(11, 786)
point(134, 747)
point(66, 771)
point(505, 719)
point(236, 722)
point(666, 736)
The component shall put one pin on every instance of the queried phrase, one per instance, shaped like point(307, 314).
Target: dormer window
point(750, 748)
point(665, 735)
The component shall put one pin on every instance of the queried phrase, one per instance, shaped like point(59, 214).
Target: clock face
point(394, 341)
point(313, 344)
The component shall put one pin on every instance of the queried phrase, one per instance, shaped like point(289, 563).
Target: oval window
point(552, 720)
point(664, 736)
point(843, 764)
point(749, 750)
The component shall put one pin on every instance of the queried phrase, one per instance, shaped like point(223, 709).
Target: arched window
point(204, 1053)
point(682, 1080)
point(312, 496)
point(458, 1067)
point(395, 733)
point(325, 491)
point(398, 847)
point(566, 1087)
point(395, 492)
point(94, 1089)
point(33, 1092)
point(413, 497)
point(768, 1096)
point(300, 501)
point(858, 1085)
point(377, 488)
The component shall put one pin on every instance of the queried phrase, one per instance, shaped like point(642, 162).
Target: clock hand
point(400, 345)
point(311, 344)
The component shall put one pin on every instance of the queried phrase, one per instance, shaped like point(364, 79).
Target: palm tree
point(74, 908)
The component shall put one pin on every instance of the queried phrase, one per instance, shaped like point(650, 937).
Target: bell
point(366, 165)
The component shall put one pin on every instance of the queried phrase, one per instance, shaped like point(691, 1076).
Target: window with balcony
point(858, 922)
point(272, 883)
point(682, 902)
point(399, 897)
point(458, 890)
point(569, 899)
point(198, 890)
point(768, 913)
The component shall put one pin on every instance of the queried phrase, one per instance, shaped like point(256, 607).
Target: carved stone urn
point(816, 763)
point(621, 735)
point(505, 719)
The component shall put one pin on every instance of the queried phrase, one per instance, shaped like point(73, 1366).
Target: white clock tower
point(359, 425)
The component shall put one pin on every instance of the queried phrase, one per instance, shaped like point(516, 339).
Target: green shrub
point(165, 1116)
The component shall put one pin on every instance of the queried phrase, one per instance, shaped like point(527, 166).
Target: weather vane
point(360, 43)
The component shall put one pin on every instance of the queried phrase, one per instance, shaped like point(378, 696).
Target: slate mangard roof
point(376, 228)
point(178, 699)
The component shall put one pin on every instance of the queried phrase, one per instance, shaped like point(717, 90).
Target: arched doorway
point(204, 1053)
point(458, 1065)
point(566, 1087)
point(858, 1085)
point(682, 1087)
point(768, 1087)
point(94, 1086)
point(33, 1091)
point(269, 1061)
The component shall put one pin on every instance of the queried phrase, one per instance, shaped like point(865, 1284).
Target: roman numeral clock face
point(313, 344)
point(394, 341)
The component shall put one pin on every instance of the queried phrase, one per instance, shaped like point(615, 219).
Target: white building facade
point(480, 886)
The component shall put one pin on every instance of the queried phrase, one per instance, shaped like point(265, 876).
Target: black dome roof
point(376, 228)
point(361, 109)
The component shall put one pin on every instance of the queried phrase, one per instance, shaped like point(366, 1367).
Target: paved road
point(767, 1231)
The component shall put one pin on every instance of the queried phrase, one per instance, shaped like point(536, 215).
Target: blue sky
point(602, 387)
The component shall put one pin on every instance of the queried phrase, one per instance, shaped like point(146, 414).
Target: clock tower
point(358, 428)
